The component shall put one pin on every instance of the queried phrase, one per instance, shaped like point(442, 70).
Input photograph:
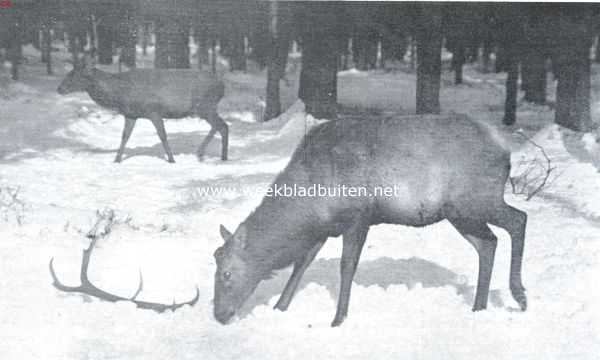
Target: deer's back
point(173, 93)
point(432, 163)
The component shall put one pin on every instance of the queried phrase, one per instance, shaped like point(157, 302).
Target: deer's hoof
point(280, 307)
point(337, 321)
point(118, 160)
point(520, 298)
point(172, 161)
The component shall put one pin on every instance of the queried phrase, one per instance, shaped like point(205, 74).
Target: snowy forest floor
point(414, 288)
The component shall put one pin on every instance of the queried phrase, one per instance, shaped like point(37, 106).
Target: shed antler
point(88, 288)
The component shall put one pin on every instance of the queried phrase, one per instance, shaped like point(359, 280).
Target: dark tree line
point(527, 40)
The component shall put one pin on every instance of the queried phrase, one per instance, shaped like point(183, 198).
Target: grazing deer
point(440, 167)
point(153, 94)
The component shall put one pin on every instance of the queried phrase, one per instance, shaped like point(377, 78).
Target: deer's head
point(236, 277)
point(78, 78)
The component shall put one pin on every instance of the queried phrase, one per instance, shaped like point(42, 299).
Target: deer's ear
point(225, 234)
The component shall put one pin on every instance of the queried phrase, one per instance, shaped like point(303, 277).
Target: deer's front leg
point(300, 267)
point(127, 129)
point(354, 239)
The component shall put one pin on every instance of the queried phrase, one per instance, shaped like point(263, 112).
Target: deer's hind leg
point(159, 125)
point(217, 124)
point(127, 129)
point(484, 241)
point(514, 221)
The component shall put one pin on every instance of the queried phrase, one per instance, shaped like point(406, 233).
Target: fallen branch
point(10, 202)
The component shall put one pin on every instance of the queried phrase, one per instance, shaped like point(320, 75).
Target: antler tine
point(88, 288)
point(85, 261)
point(140, 287)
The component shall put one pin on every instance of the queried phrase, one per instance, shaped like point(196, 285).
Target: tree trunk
point(597, 54)
point(573, 70)
point(533, 73)
point(279, 31)
point(413, 52)
point(128, 41)
point(259, 40)
point(501, 59)
point(15, 50)
point(105, 34)
point(318, 77)
point(511, 64)
point(213, 56)
point(344, 53)
point(145, 37)
point(47, 46)
point(458, 60)
point(429, 52)
point(238, 55)
point(364, 48)
point(182, 48)
point(573, 93)
point(172, 45)
point(201, 37)
point(92, 31)
point(487, 51)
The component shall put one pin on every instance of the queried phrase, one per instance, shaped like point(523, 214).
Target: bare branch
point(524, 184)
point(11, 204)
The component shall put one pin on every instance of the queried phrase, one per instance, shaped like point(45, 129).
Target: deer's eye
point(227, 275)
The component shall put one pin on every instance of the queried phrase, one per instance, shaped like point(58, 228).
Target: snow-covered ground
point(414, 288)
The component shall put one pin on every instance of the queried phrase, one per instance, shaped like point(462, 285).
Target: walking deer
point(154, 94)
point(443, 167)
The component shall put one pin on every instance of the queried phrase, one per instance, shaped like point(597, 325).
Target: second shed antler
point(88, 288)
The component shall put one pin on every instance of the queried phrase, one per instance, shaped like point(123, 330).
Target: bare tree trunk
point(318, 77)
point(47, 45)
point(172, 45)
point(128, 41)
point(573, 93)
point(458, 60)
point(238, 55)
point(533, 73)
point(15, 47)
point(105, 35)
point(487, 51)
point(413, 52)
point(279, 45)
point(201, 37)
point(92, 31)
point(511, 64)
point(573, 71)
point(597, 54)
point(145, 37)
point(213, 60)
point(429, 51)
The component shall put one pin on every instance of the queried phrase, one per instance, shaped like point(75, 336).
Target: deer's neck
point(282, 228)
point(103, 89)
